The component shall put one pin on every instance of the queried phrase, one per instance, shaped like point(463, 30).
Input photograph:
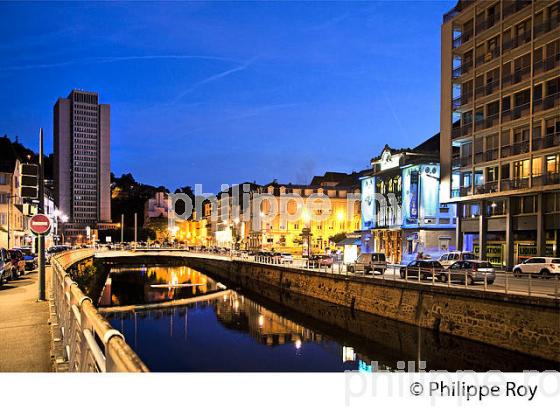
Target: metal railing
point(90, 343)
point(503, 282)
point(548, 141)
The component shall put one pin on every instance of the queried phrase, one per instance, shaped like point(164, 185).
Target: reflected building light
point(298, 344)
point(261, 320)
point(236, 305)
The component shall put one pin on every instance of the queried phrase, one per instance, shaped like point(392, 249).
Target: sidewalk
point(25, 335)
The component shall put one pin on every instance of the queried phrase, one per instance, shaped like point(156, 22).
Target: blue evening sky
point(224, 92)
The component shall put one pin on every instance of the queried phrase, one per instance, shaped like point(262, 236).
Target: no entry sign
point(40, 224)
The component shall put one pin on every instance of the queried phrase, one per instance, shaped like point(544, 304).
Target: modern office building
point(402, 215)
point(500, 106)
point(82, 162)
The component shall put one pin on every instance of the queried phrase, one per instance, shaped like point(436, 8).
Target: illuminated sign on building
point(368, 202)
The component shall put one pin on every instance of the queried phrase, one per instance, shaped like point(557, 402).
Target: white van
point(449, 258)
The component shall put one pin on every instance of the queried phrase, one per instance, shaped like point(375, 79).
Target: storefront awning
point(349, 241)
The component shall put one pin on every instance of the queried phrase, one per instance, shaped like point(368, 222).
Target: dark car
point(318, 261)
point(470, 272)
point(6, 267)
point(424, 269)
point(29, 257)
point(53, 250)
point(17, 262)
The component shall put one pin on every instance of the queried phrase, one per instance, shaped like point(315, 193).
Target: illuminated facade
point(401, 212)
point(500, 127)
point(307, 228)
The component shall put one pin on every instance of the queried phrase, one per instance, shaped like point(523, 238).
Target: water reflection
point(229, 333)
point(278, 331)
point(131, 285)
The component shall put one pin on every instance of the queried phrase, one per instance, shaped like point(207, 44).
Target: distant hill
point(12, 150)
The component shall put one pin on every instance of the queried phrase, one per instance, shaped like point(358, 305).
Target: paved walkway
point(25, 335)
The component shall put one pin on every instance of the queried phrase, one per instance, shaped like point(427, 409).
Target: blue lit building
point(401, 210)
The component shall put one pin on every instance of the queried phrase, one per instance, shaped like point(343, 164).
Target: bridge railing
point(90, 343)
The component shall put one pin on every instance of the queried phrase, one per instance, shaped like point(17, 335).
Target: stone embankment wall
point(529, 325)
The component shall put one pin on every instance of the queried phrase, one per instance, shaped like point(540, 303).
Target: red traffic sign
point(40, 224)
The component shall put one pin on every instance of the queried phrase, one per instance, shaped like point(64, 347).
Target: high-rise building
point(500, 108)
point(82, 162)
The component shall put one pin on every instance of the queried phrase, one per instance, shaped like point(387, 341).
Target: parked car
point(449, 258)
point(369, 262)
point(6, 268)
point(53, 250)
point(285, 257)
point(319, 261)
point(17, 262)
point(471, 271)
point(29, 257)
point(543, 266)
point(426, 269)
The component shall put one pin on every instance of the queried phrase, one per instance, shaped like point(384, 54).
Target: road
point(534, 286)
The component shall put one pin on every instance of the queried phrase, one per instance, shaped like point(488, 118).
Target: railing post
point(448, 278)
point(556, 285)
point(529, 283)
point(506, 287)
point(466, 277)
point(485, 282)
point(433, 276)
point(406, 274)
point(419, 274)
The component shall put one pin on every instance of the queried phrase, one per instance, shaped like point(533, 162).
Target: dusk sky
point(216, 93)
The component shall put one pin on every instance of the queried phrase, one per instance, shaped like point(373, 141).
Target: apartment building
point(82, 161)
point(500, 108)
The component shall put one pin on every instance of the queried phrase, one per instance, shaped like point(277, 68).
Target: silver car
point(470, 272)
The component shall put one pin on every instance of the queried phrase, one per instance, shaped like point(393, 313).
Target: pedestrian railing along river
point(504, 282)
point(90, 343)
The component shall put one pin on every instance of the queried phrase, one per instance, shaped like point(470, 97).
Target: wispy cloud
point(104, 60)
point(329, 23)
point(212, 78)
point(244, 114)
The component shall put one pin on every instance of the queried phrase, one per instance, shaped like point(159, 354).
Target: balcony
point(513, 8)
point(487, 122)
point(511, 43)
point(461, 100)
point(487, 188)
point(461, 131)
point(489, 56)
point(488, 89)
point(465, 191)
point(462, 39)
point(549, 178)
point(547, 64)
point(491, 154)
point(520, 148)
point(462, 69)
point(515, 149)
point(518, 75)
point(516, 112)
point(546, 103)
point(465, 161)
point(548, 141)
point(511, 184)
point(546, 26)
point(486, 23)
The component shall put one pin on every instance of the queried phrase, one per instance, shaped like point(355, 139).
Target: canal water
point(232, 330)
